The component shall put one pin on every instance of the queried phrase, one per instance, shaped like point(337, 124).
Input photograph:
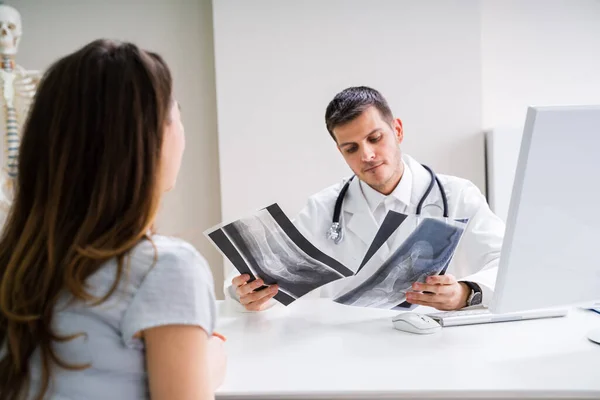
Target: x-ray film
point(406, 249)
point(412, 248)
point(269, 246)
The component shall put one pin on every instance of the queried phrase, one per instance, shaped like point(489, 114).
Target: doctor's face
point(371, 149)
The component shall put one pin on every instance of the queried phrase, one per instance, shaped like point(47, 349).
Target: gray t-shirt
point(176, 289)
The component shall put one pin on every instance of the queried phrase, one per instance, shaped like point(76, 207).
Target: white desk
point(319, 349)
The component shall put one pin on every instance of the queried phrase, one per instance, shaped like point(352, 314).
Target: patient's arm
point(183, 363)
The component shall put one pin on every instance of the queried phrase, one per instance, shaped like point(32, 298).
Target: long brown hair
point(87, 191)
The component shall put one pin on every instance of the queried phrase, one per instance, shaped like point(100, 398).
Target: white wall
point(535, 52)
point(181, 31)
point(278, 64)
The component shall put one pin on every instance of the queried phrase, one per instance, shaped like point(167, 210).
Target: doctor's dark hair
point(87, 192)
point(351, 102)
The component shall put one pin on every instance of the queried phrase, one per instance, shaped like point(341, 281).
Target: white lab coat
point(476, 257)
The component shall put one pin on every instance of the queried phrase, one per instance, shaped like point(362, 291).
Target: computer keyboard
point(484, 316)
point(448, 314)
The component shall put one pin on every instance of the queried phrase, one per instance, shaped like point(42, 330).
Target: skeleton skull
point(10, 30)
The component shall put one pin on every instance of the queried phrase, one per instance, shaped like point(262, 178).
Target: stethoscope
point(335, 231)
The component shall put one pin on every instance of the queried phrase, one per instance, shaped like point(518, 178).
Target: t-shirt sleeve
point(177, 290)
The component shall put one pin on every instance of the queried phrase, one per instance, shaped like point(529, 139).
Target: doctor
point(368, 136)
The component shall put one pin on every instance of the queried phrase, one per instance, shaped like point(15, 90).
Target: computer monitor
point(551, 251)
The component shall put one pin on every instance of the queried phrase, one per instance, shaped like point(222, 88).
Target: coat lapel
point(360, 222)
point(359, 219)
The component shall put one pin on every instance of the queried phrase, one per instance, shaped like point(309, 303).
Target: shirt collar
point(402, 192)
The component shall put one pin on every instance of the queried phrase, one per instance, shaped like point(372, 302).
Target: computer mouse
point(415, 323)
point(594, 336)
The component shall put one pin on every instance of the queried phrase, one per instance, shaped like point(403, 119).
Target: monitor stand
point(594, 335)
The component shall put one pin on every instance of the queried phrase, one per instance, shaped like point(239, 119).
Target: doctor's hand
point(445, 293)
point(251, 300)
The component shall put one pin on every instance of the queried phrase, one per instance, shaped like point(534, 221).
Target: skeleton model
point(18, 88)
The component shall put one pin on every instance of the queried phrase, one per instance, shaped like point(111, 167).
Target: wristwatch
point(476, 295)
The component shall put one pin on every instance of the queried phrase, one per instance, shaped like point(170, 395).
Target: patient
point(93, 305)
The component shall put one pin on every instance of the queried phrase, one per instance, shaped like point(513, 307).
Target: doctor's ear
point(398, 130)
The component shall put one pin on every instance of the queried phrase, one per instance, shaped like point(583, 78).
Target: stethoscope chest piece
point(335, 232)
